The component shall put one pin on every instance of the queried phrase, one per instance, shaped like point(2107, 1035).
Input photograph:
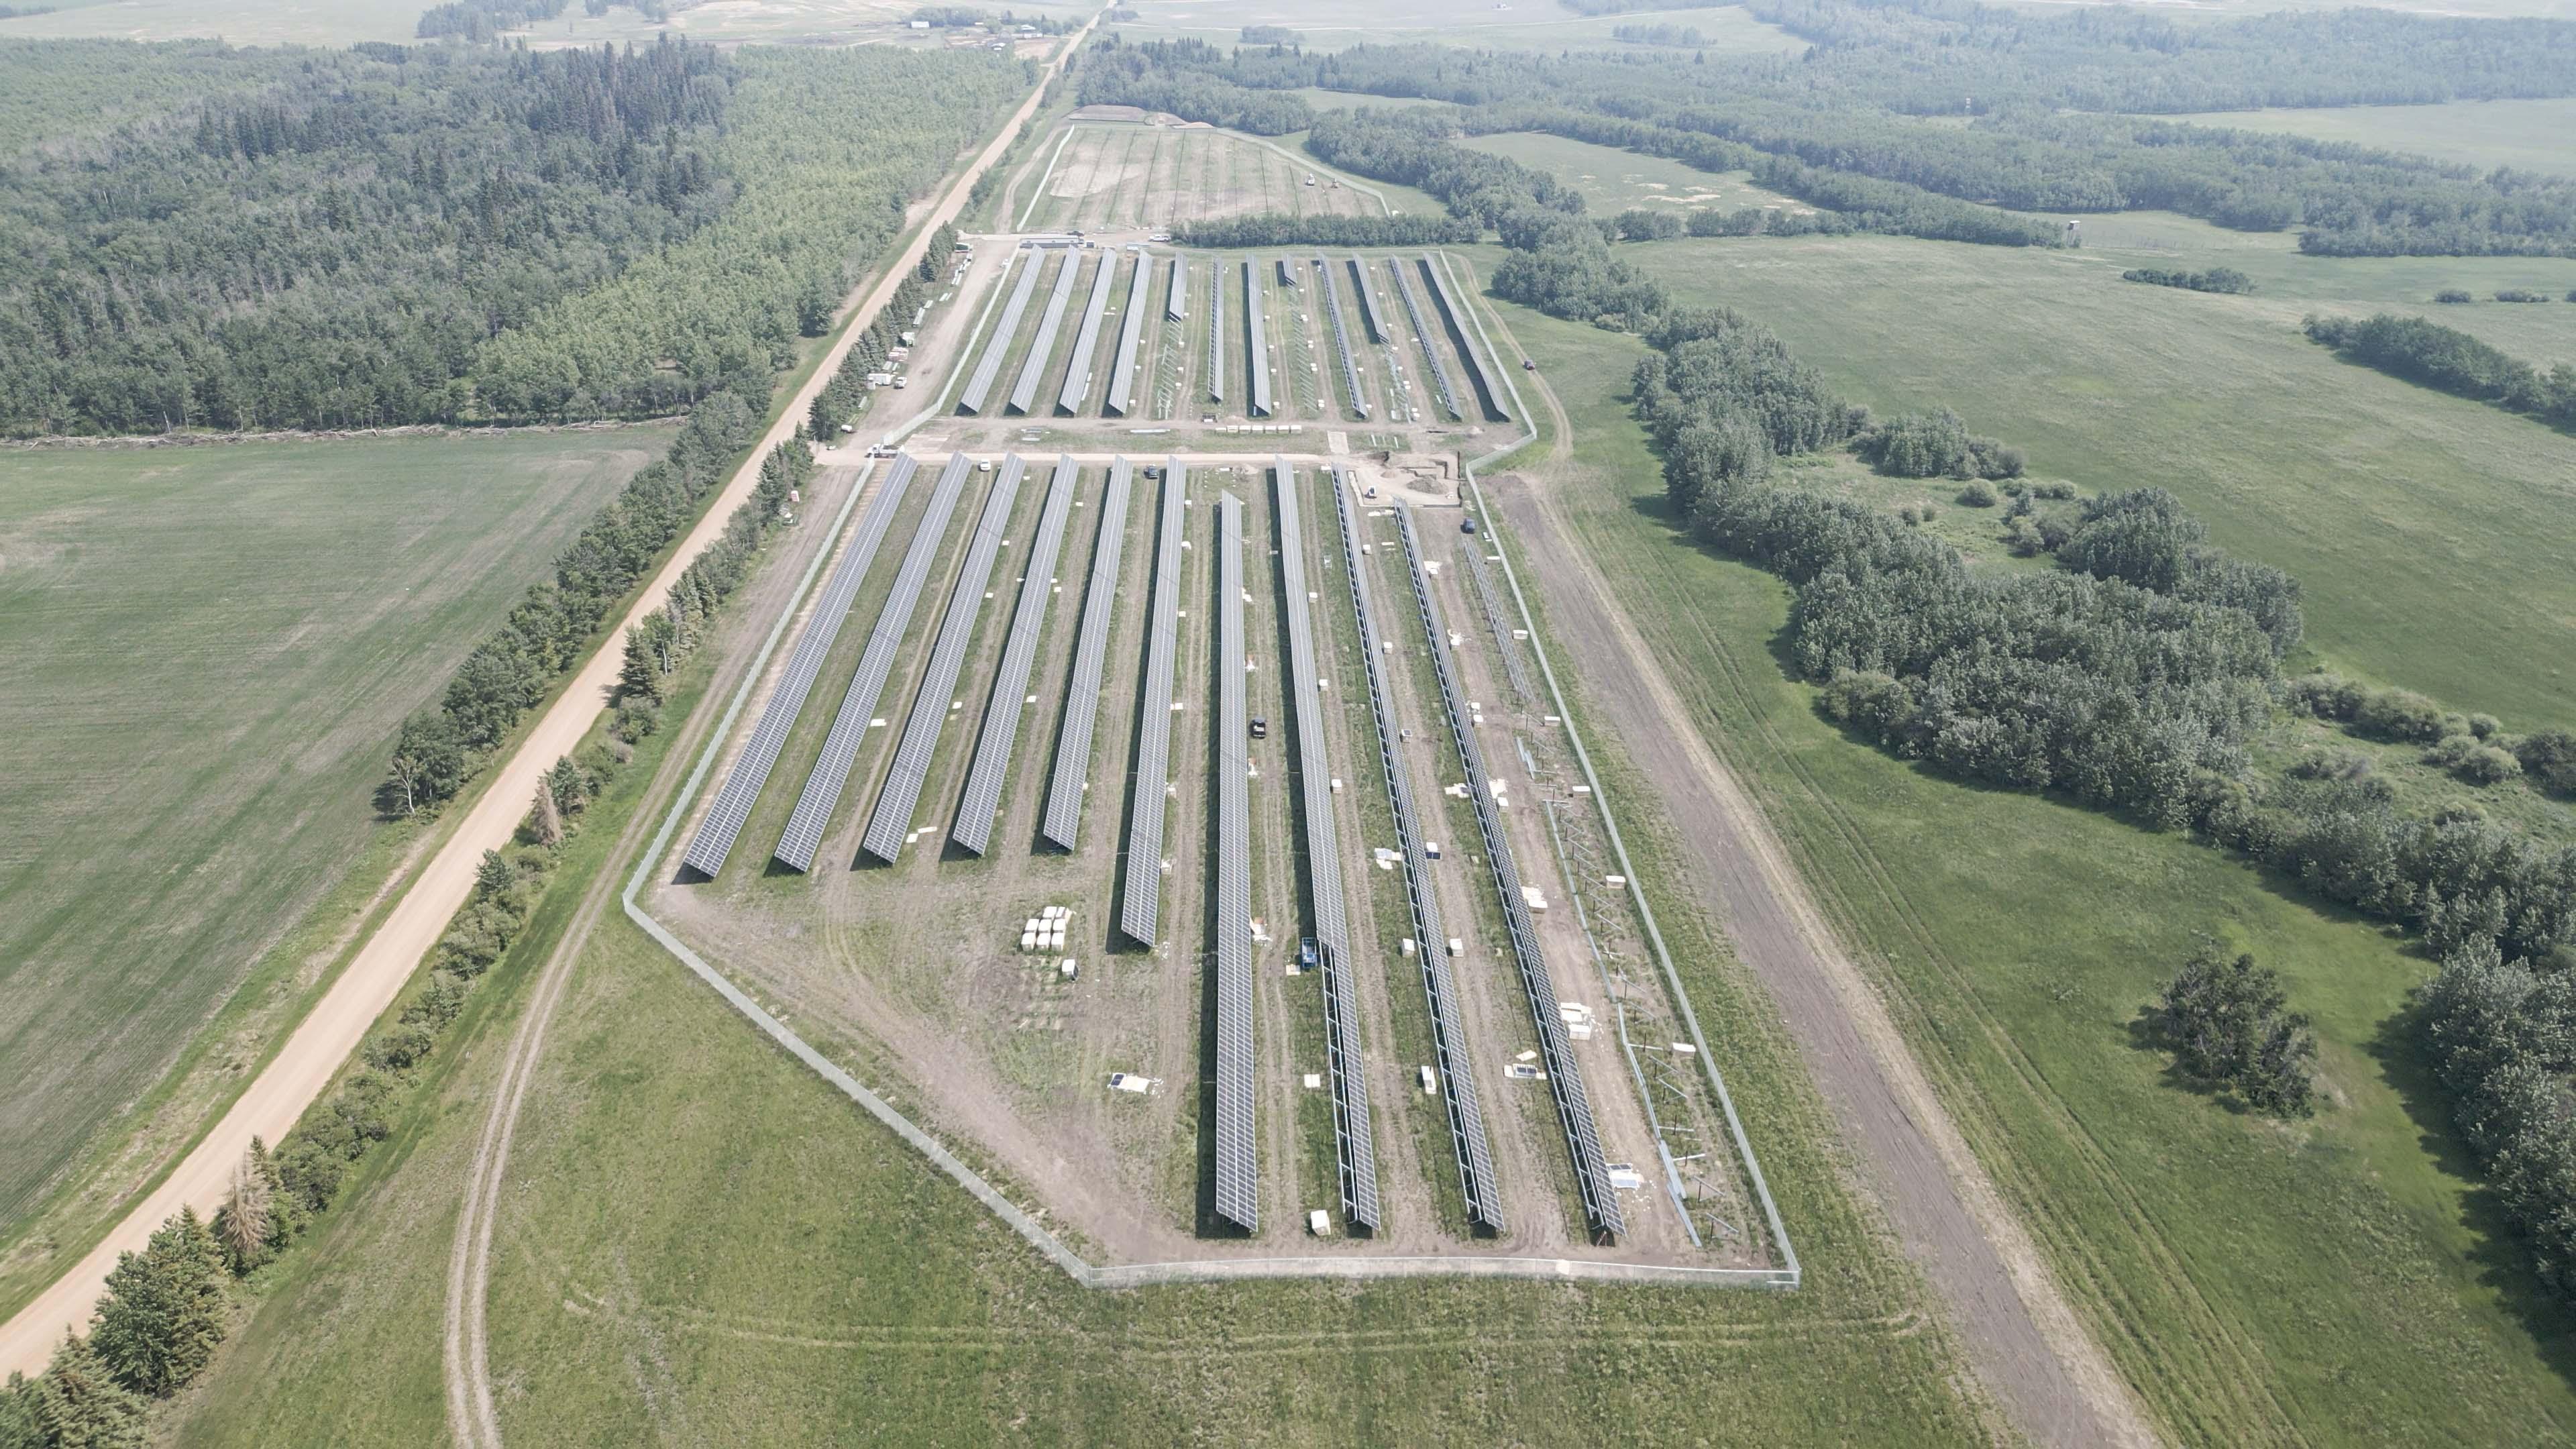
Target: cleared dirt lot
point(1107, 177)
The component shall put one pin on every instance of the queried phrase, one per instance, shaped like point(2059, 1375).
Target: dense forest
point(2038, 101)
point(394, 235)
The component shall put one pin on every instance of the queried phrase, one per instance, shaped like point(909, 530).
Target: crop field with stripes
point(1200, 850)
point(1123, 177)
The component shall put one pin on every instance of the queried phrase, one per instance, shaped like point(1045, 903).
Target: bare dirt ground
point(2019, 1329)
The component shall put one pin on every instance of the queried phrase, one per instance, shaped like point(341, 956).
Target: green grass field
point(1613, 180)
point(1483, 24)
point(2526, 135)
point(243, 22)
point(1109, 177)
point(2428, 531)
point(2323, 1282)
point(214, 645)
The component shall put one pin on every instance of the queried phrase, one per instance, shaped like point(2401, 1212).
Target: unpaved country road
point(297, 1075)
point(2022, 1336)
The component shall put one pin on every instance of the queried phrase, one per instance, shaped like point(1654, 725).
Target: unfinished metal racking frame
point(1238, 1148)
point(1131, 332)
point(1440, 384)
point(979, 385)
point(1491, 601)
point(1072, 781)
point(1564, 1076)
point(891, 823)
point(1256, 345)
point(1086, 342)
point(750, 773)
point(1024, 389)
point(983, 797)
point(1355, 1147)
point(831, 772)
point(1448, 1032)
point(1140, 910)
point(1342, 339)
point(1369, 322)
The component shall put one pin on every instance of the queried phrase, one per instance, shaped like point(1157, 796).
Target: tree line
point(841, 398)
point(2453, 361)
point(1280, 228)
point(2216, 279)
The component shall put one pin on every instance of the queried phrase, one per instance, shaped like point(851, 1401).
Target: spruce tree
point(163, 1312)
point(78, 1404)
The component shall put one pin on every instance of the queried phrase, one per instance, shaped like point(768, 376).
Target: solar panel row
point(1368, 304)
point(1487, 387)
point(1256, 346)
point(1564, 1077)
point(1342, 339)
point(1216, 335)
point(1086, 343)
point(1448, 1034)
point(932, 704)
point(1131, 331)
point(750, 773)
point(1238, 1158)
point(1024, 389)
point(979, 385)
point(1490, 599)
point(1440, 385)
point(1176, 306)
point(983, 798)
point(1141, 910)
point(1072, 782)
point(831, 772)
point(1355, 1146)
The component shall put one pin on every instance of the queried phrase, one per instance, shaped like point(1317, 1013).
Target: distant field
point(2318, 1284)
point(211, 648)
point(1116, 177)
point(1613, 180)
point(242, 22)
point(1517, 25)
point(2427, 530)
point(2526, 135)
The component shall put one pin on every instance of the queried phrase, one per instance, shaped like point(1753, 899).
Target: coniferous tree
point(162, 1314)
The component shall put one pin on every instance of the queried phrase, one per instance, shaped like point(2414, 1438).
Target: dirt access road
point(299, 1072)
point(2021, 1334)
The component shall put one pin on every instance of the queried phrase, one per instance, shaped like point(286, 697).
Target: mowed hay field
point(2323, 1282)
point(1484, 24)
point(2528, 135)
point(1117, 177)
point(2429, 532)
point(243, 22)
point(1612, 180)
point(211, 648)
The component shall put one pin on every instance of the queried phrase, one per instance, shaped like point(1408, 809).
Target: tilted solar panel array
point(750, 773)
point(1216, 334)
point(1368, 305)
point(983, 798)
point(1342, 339)
point(1356, 1149)
point(1024, 389)
point(1140, 912)
point(1440, 385)
point(1256, 346)
point(1238, 1149)
point(892, 820)
point(979, 385)
point(1490, 600)
point(1131, 332)
point(1176, 306)
point(1488, 387)
point(1448, 1033)
point(831, 772)
point(1072, 783)
point(1564, 1077)
point(1086, 343)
